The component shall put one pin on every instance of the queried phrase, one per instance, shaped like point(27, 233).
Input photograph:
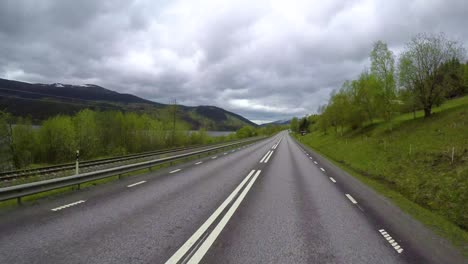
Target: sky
point(265, 60)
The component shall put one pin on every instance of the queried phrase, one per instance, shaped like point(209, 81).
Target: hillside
point(412, 157)
point(40, 101)
point(277, 123)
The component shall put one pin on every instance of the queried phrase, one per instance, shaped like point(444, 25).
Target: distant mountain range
point(41, 101)
point(278, 122)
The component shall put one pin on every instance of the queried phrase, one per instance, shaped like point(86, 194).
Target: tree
point(420, 67)
point(87, 135)
point(24, 143)
point(294, 125)
point(57, 139)
point(6, 157)
point(245, 132)
point(383, 68)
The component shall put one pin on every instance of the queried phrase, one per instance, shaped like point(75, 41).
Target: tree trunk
point(427, 111)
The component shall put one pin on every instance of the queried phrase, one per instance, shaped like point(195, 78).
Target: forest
point(99, 134)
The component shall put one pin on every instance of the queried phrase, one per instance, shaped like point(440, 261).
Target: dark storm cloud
point(266, 60)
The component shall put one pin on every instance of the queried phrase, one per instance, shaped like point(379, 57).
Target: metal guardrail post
point(77, 169)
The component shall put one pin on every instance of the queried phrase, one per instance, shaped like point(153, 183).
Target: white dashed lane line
point(390, 240)
point(174, 171)
point(198, 163)
point(322, 169)
point(135, 184)
point(333, 180)
point(315, 162)
point(351, 199)
point(214, 157)
point(67, 205)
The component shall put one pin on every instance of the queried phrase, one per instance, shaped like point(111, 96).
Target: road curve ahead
point(269, 202)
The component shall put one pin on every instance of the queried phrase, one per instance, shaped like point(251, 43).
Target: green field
point(410, 161)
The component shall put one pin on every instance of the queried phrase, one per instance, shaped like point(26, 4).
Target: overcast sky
point(265, 60)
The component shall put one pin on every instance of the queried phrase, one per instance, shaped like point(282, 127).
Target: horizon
point(264, 60)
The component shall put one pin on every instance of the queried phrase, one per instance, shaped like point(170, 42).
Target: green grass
point(409, 161)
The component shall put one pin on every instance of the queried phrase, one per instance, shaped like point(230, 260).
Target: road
point(270, 202)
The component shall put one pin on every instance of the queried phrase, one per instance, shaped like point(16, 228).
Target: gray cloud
point(265, 60)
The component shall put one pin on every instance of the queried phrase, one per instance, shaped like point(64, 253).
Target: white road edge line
point(174, 171)
point(391, 241)
point(333, 180)
point(269, 156)
point(197, 257)
point(351, 199)
point(214, 157)
point(315, 162)
point(135, 184)
point(322, 169)
point(67, 205)
point(194, 238)
point(264, 157)
point(198, 163)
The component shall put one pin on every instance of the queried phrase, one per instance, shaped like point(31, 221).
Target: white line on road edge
point(269, 156)
point(333, 180)
point(392, 242)
point(197, 257)
point(322, 169)
point(351, 199)
point(198, 163)
point(174, 171)
point(315, 162)
point(310, 157)
point(194, 238)
point(67, 205)
point(225, 153)
point(264, 157)
point(135, 184)
point(214, 157)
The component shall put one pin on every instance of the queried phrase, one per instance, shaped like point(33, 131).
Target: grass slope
point(410, 161)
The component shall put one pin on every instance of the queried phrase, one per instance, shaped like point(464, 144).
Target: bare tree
point(420, 67)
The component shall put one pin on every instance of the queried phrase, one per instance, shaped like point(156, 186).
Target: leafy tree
point(24, 143)
point(57, 139)
point(294, 125)
point(87, 133)
point(420, 67)
point(383, 69)
point(6, 157)
point(245, 132)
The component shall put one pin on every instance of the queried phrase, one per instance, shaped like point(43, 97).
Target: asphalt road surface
point(274, 201)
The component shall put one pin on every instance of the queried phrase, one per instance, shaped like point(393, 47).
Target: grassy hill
point(41, 101)
point(410, 161)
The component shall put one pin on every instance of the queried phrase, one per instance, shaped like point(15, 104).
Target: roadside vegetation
point(405, 128)
point(99, 134)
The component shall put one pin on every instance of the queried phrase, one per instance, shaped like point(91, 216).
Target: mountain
point(278, 122)
point(41, 101)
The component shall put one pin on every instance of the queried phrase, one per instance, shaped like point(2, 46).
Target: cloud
point(266, 60)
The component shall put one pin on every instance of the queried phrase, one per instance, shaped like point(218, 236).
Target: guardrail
point(5, 175)
point(10, 175)
point(19, 191)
